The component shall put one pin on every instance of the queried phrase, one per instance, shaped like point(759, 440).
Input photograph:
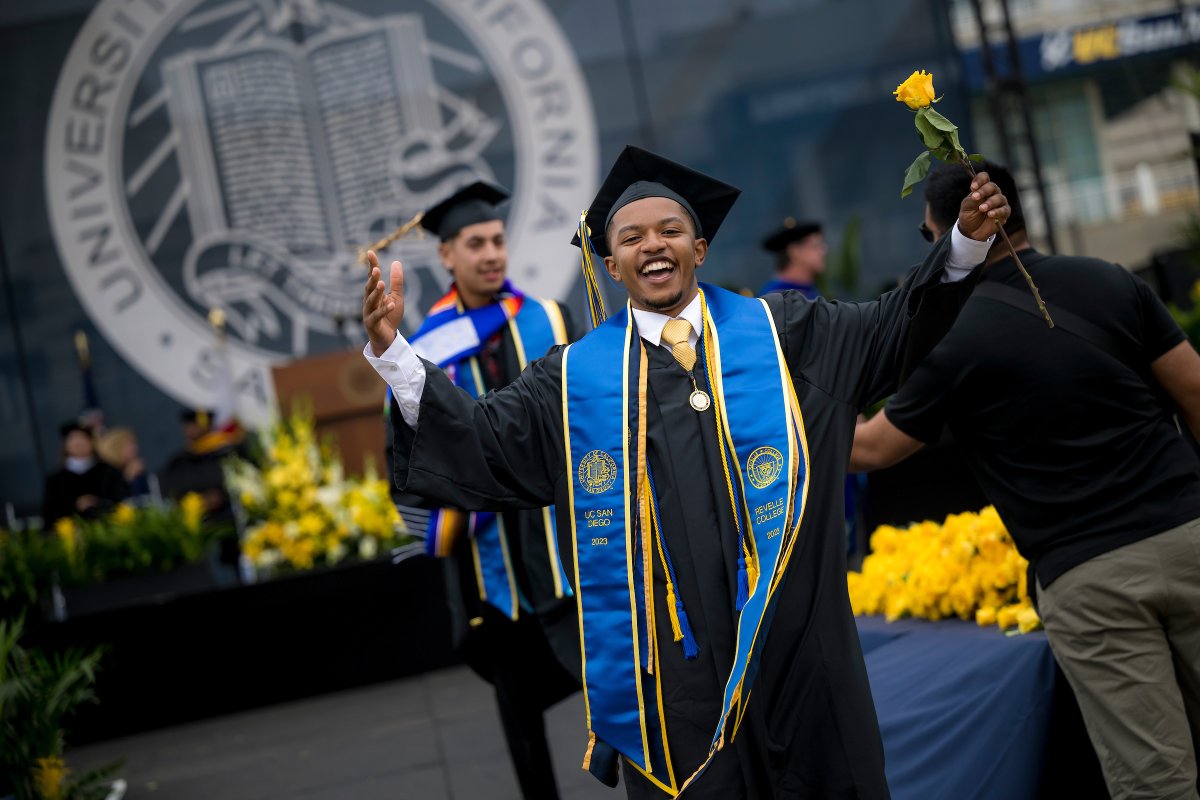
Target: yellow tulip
point(50, 777)
point(192, 505)
point(124, 514)
point(917, 91)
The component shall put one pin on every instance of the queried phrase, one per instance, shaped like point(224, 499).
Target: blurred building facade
point(1117, 136)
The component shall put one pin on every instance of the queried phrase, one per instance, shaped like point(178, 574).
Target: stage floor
point(432, 737)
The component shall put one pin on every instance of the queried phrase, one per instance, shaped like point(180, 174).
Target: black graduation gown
point(811, 730)
point(539, 653)
point(64, 487)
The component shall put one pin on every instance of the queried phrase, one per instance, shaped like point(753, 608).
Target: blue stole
point(536, 326)
point(612, 505)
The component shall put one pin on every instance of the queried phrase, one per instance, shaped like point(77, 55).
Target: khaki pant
point(1125, 628)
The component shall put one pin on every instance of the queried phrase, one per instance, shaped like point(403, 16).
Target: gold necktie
point(675, 334)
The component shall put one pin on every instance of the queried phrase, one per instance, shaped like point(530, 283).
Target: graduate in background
point(800, 250)
point(695, 446)
point(512, 607)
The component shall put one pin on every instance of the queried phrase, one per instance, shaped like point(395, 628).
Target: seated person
point(83, 485)
point(119, 447)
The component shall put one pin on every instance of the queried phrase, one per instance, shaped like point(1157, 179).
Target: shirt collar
point(650, 323)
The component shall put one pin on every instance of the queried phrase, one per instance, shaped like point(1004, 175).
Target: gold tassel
point(399, 233)
point(676, 631)
point(590, 259)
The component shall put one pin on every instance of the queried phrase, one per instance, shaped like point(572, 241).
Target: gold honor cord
point(590, 259)
point(711, 368)
point(399, 233)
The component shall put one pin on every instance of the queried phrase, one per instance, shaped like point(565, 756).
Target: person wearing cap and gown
point(511, 605)
point(800, 250)
point(84, 485)
point(694, 444)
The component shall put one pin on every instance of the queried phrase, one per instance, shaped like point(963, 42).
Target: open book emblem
point(234, 154)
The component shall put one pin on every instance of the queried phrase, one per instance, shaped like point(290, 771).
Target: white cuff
point(965, 255)
point(404, 372)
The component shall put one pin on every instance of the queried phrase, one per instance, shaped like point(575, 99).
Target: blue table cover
point(964, 711)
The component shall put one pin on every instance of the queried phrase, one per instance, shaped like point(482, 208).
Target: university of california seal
point(234, 154)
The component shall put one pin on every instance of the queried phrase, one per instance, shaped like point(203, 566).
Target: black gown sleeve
point(856, 352)
point(502, 452)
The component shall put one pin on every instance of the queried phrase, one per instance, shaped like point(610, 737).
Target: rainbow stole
point(762, 429)
point(536, 326)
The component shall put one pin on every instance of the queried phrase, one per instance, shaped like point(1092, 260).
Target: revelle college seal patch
point(597, 472)
point(764, 466)
point(234, 154)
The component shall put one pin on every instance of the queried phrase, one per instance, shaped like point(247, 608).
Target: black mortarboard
point(474, 203)
point(638, 174)
point(792, 231)
point(74, 425)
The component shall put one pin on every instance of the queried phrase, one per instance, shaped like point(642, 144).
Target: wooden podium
point(346, 397)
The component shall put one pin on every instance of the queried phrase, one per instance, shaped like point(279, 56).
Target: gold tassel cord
point(590, 260)
point(399, 233)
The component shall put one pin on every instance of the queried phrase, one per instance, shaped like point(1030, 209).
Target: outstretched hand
point(984, 210)
point(383, 304)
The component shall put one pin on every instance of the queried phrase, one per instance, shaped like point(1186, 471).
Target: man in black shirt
point(1066, 434)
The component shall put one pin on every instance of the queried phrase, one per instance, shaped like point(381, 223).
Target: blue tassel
point(743, 584)
point(690, 648)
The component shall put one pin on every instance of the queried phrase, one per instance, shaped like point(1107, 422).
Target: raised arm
point(492, 454)
point(383, 304)
point(869, 340)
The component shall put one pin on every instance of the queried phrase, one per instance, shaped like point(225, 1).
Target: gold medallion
point(699, 400)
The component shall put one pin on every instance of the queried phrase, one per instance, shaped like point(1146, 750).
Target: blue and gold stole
point(617, 535)
point(454, 336)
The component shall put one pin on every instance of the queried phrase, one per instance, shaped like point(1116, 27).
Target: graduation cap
point(636, 175)
point(200, 416)
point(67, 428)
point(792, 231)
point(474, 203)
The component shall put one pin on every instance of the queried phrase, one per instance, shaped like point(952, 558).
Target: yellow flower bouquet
point(967, 567)
point(300, 508)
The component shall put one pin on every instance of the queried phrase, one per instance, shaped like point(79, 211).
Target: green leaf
point(916, 173)
point(940, 122)
point(947, 154)
point(976, 157)
point(959, 152)
point(930, 135)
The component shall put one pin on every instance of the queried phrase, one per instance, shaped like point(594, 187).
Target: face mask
point(79, 465)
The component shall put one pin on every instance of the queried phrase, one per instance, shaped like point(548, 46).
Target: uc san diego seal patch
point(597, 472)
point(764, 466)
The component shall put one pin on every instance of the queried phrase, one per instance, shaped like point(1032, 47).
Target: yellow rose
point(1007, 617)
point(985, 616)
point(1028, 620)
point(917, 91)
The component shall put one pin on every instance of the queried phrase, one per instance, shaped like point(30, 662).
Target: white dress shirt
point(404, 372)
